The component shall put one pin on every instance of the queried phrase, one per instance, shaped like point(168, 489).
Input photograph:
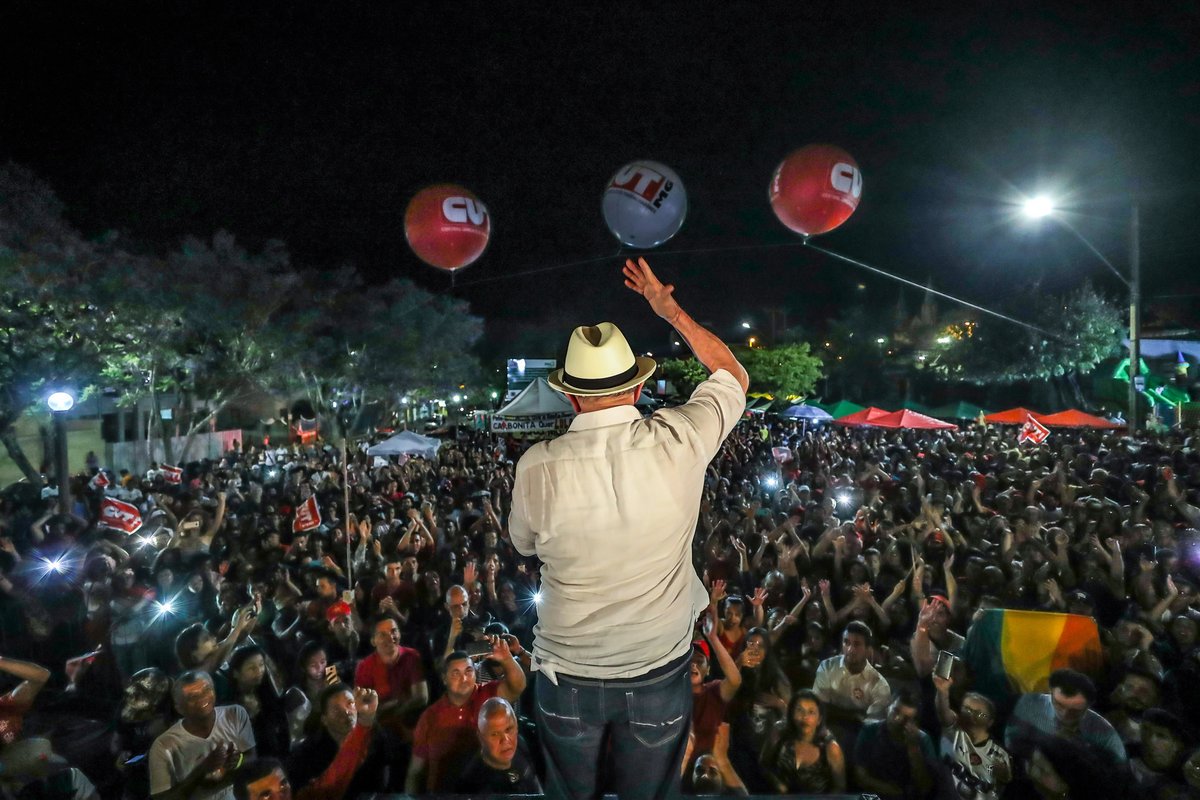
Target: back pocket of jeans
point(558, 710)
point(658, 716)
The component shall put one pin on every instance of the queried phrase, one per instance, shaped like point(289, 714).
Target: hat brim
point(645, 368)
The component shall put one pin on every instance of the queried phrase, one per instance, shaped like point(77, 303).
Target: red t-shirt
point(708, 712)
point(12, 718)
point(391, 682)
point(446, 736)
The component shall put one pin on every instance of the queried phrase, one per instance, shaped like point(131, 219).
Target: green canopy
point(959, 410)
point(839, 409)
point(758, 403)
point(913, 405)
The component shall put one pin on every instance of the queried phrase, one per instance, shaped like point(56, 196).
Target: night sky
point(315, 123)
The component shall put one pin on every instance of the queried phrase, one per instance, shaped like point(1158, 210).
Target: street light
point(1042, 206)
point(1037, 207)
point(746, 325)
point(60, 403)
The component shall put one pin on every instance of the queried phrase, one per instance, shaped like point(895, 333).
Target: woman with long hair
point(247, 685)
point(805, 758)
point(759, 704)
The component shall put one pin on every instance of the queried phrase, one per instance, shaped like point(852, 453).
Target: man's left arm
point(519, 532)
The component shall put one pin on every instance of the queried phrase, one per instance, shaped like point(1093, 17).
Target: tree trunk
point(9, 436)
point(157, 421)
point(1077, 399)
point(217, 408)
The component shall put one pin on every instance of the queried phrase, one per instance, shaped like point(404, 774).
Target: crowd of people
point(219, 651)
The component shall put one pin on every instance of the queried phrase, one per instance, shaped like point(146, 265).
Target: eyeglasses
point(977, 713)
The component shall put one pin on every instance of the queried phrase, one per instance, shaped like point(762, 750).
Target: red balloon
point(446, 226)
point(815, 189)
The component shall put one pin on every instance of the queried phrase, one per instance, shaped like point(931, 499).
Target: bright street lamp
point(1042, 206)
point(1037, 207)
point(746, 325)
point(60, 403)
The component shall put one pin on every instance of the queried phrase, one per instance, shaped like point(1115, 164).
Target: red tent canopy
point(1013, 416)
point(865, 417)
point(1075, 419)
point(906, 418)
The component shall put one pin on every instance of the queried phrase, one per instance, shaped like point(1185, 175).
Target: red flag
point(100, 481)
point(308, 516)
point(119, 516)
point(171, 474)
point(782, 455)
point(1032, 431)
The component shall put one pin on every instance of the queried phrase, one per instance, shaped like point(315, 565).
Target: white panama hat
point(600, 362)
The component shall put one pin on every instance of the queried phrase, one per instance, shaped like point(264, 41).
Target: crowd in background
point(219, 652)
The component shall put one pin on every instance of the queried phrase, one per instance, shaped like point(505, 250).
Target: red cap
point(339, 609)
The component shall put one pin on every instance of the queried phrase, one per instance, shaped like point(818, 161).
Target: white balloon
point(645, 204)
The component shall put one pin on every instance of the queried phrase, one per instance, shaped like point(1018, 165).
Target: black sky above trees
point(316, 122)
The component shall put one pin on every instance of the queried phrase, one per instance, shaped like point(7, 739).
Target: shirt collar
point(605, 417)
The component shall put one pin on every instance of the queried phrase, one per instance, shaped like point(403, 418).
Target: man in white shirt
point(853, 690)
point(610, 508)
point(196, 758)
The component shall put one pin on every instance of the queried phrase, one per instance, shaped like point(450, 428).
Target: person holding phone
point(610, 508)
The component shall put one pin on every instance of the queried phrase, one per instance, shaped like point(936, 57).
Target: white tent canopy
point(406, 443)
point(537, 409)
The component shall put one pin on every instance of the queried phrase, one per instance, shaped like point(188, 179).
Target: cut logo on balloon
point(463, 209)
point(846, 179)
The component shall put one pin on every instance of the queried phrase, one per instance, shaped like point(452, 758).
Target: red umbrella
point(865, 417)
point(906, 418)
point(1076, 419)
point(1013, 416)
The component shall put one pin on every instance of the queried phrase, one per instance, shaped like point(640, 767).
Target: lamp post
point(60, 403)
point(1042, 206)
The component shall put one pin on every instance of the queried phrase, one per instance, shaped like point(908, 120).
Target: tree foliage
point(784, 371)
point(1081, 329)
point(684, 373)
point(212, 320)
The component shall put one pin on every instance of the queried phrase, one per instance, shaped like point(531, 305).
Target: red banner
point(171, 474)
point(782, 455)
point(119, 516)
point(100, 481)
point(308, 516)
point(1032, 431)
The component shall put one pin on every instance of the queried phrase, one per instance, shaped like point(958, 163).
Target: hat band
point(600, 383)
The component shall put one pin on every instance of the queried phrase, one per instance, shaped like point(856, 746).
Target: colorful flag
point(1032, 431)
point(173, 475)
point(308, 516)
point(119, 516)
point(100, 481)
point(1015, 651)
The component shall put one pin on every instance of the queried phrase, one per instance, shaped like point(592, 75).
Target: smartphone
point(138, 759)
point(945, 664)
point(331, 675)
point(477, 649)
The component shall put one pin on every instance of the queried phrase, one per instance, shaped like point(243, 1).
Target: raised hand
point(717, 594)
point(823, 585)
point(366, 703)
point(760, 597)
point(641, 279)
point(469, 574)
point(500, 649)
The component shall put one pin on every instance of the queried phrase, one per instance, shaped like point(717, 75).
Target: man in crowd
point(197, 756)
point(893, 757)
point(346, 757)
point(395, 673)
point(445, 738)
point(1065, 711)
point(503, 764)
point(618, 496)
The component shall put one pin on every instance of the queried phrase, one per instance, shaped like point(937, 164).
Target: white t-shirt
point(868, 691)
point(971, 765)
point(175, 753)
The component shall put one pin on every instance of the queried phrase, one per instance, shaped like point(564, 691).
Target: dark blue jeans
point(646, 721)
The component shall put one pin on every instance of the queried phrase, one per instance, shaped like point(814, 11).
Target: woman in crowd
point(804, 758)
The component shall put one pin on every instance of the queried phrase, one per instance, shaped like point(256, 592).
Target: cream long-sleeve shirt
point(610, 508)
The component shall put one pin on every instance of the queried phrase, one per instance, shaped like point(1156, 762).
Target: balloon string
point(931, 290)
point(806, 242)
